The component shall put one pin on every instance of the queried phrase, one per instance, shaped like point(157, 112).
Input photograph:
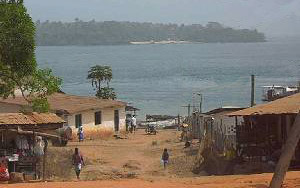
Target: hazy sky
point(274, 17)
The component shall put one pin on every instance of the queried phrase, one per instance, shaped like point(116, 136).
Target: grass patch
point(154, 143)
point(102, 134)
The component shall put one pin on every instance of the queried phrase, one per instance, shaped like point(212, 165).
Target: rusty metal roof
point(286, 105)
point(29, 119)
point(70, 103)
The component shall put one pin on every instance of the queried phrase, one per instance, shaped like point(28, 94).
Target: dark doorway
point(117, 120)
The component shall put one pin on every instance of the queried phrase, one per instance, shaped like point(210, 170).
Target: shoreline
point(162, 42)
point(150, 42)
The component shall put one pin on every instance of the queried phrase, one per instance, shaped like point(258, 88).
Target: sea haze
point(159, 79)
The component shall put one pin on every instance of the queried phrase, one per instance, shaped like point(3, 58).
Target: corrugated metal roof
point(70, 103)
point(223, 110)
point(29, 119)
point(286, 105)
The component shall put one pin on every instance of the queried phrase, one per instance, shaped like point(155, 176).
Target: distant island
point(115, 33)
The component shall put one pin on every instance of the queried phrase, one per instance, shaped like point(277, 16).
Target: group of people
point(131, 124)
point(77, 158)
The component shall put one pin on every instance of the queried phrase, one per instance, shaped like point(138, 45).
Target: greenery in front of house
point(102, 75)
point(113, 32)
point(18, 67)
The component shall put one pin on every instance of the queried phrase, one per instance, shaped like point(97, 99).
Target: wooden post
point(45, 159)
point(200, 104)
point(252, 90)
point(35, 161)
point(287, 153)
point(6, 139)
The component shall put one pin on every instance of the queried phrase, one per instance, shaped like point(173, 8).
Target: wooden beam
point(19, 131)
point(287, 153)
point(51, 126)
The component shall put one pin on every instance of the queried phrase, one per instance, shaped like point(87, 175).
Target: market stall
point(24, 141)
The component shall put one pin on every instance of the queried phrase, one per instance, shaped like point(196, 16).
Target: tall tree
point(18, 67)
point(99, 74)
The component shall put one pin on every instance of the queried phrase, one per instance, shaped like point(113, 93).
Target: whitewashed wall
point(88, 119)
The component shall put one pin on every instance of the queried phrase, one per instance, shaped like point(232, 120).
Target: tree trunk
point(286, 154)
point(99, 88)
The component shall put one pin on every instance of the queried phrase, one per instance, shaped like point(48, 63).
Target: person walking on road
point(133, 123)
point(80, 134)
point(78, 162)
point(165, 158)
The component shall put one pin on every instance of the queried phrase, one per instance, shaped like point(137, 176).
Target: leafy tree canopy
point(113, 32)
point(99, 74)
point(18, 67)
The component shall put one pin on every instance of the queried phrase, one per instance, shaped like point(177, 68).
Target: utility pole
point(200, 104)
point(188, 108)
point(200, 101)
point(252, 90)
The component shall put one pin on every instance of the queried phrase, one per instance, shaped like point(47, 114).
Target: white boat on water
point(144, 42)
point(161, 42)
point(271, 93)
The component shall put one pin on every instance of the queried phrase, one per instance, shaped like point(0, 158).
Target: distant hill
point(113, 32)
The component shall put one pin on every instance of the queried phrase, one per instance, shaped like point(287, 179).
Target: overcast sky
point(274, 17)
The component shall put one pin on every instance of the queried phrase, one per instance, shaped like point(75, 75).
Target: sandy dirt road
point(110, 161)
point(245, 181)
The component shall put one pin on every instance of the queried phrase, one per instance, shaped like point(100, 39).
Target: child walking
point(165, 158)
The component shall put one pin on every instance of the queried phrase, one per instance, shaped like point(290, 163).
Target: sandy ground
point(135, 163)
point(258, 181)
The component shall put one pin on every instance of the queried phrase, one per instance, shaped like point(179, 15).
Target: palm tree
point(107, 74)
point(98, 74)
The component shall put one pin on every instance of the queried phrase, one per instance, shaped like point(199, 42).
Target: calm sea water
point(159, 79)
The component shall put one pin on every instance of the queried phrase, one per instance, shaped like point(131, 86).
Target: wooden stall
point(265, 129)
point(24, 140)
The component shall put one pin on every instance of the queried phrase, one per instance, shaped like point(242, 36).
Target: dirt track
point(258, 180)
point(135, 163)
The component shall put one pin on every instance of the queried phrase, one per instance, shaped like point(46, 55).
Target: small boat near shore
point(271, 93)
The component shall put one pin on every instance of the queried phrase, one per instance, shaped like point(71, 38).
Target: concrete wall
point(88, 119)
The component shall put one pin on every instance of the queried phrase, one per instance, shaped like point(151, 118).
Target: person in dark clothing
point(165, 158)
point(77, 160)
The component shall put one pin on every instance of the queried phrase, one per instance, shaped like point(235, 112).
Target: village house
point(223, 126)
point(89, 112)
point(215, 124)
point(265, 129)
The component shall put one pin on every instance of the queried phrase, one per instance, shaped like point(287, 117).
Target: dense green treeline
point(113, 32)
